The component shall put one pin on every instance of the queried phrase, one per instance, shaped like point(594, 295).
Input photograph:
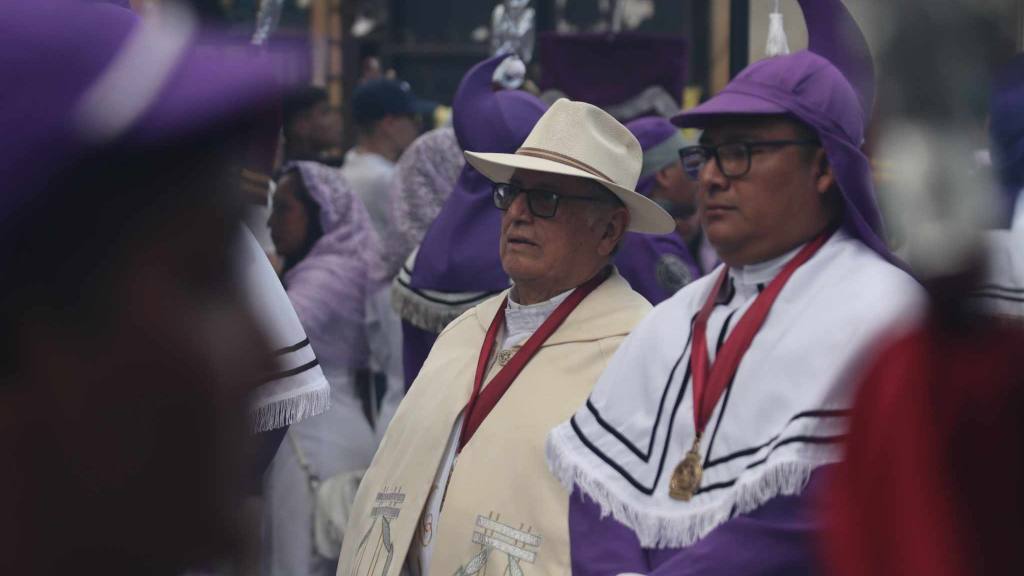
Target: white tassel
point(778, 44)
point(287, 412)
point(679, 529)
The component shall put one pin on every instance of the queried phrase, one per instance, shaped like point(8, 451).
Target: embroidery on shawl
point(376, 550)
point(518, 546)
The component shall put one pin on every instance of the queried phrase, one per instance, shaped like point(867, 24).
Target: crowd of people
point(545, 338)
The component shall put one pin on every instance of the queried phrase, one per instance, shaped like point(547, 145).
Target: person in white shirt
point(384, 112)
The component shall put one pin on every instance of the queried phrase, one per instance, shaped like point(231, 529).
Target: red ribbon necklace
point(481, 403)
point(709, 382)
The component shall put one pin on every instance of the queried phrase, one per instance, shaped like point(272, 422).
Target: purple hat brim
point(727, 104)
point(213, 85)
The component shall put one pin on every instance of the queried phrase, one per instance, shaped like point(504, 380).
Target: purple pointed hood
point(810, 88)
point(460, 250)
point(833, 34)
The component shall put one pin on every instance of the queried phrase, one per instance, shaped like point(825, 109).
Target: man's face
point(324, 126)
point(773, 207)
point(563, 251)
point(401, 130)
point(680, 193)
point(317, 129)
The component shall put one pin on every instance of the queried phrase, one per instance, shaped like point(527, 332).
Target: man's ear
point(614, 230)
point(824, 179)
point(662, 177)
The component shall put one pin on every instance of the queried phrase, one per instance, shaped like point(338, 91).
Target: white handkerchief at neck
point(521, 321)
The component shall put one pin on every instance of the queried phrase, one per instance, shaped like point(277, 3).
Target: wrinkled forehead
point(741, 128)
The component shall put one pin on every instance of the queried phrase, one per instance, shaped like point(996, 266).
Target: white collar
point(761, 272)
point(521, 321)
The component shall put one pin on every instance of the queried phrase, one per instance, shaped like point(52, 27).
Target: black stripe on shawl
point(288, 373)
point(793, 440)
point(292, 348)
point(646, 456)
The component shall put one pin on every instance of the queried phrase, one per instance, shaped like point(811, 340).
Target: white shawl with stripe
point(781, 417)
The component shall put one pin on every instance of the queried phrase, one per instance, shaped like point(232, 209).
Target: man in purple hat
point(715, 415)
point(662, 180)
point(128, 352)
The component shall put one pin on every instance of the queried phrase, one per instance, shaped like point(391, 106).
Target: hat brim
point(214, 85)
point(726, 104)
point(644, 215)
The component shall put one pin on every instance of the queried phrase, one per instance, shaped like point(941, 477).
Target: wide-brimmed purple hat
point(810, 88)
point(83, 76)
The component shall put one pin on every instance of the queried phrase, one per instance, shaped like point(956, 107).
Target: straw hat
point(579, 139)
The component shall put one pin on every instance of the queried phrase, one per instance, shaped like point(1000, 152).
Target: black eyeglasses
point(733, 158)
point(542, 204)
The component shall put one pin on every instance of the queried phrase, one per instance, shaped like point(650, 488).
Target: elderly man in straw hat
point(459, 484)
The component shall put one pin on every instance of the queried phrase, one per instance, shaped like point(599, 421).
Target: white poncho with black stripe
point(782, 416)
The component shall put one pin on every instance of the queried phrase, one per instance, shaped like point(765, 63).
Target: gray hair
point(599, 211)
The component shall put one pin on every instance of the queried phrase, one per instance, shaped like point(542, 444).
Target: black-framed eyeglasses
point(542, 203)
point(733, 158)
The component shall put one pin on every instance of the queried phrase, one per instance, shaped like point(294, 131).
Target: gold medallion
point(686, 477)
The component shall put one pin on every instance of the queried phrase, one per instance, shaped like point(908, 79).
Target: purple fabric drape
point(579, 65)
point(777, 539)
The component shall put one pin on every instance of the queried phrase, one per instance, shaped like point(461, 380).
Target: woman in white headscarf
point(324, 234)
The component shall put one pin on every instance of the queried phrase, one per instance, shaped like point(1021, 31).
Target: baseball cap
point(382, 97)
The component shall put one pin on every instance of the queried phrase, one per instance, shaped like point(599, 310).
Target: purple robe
point(655, 265)
point(775, 539)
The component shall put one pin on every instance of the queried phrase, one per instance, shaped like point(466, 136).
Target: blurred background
point(431, 44)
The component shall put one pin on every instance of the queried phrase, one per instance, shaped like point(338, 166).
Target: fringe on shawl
point(426, 314)
point(677, 531)
point(278, 414)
